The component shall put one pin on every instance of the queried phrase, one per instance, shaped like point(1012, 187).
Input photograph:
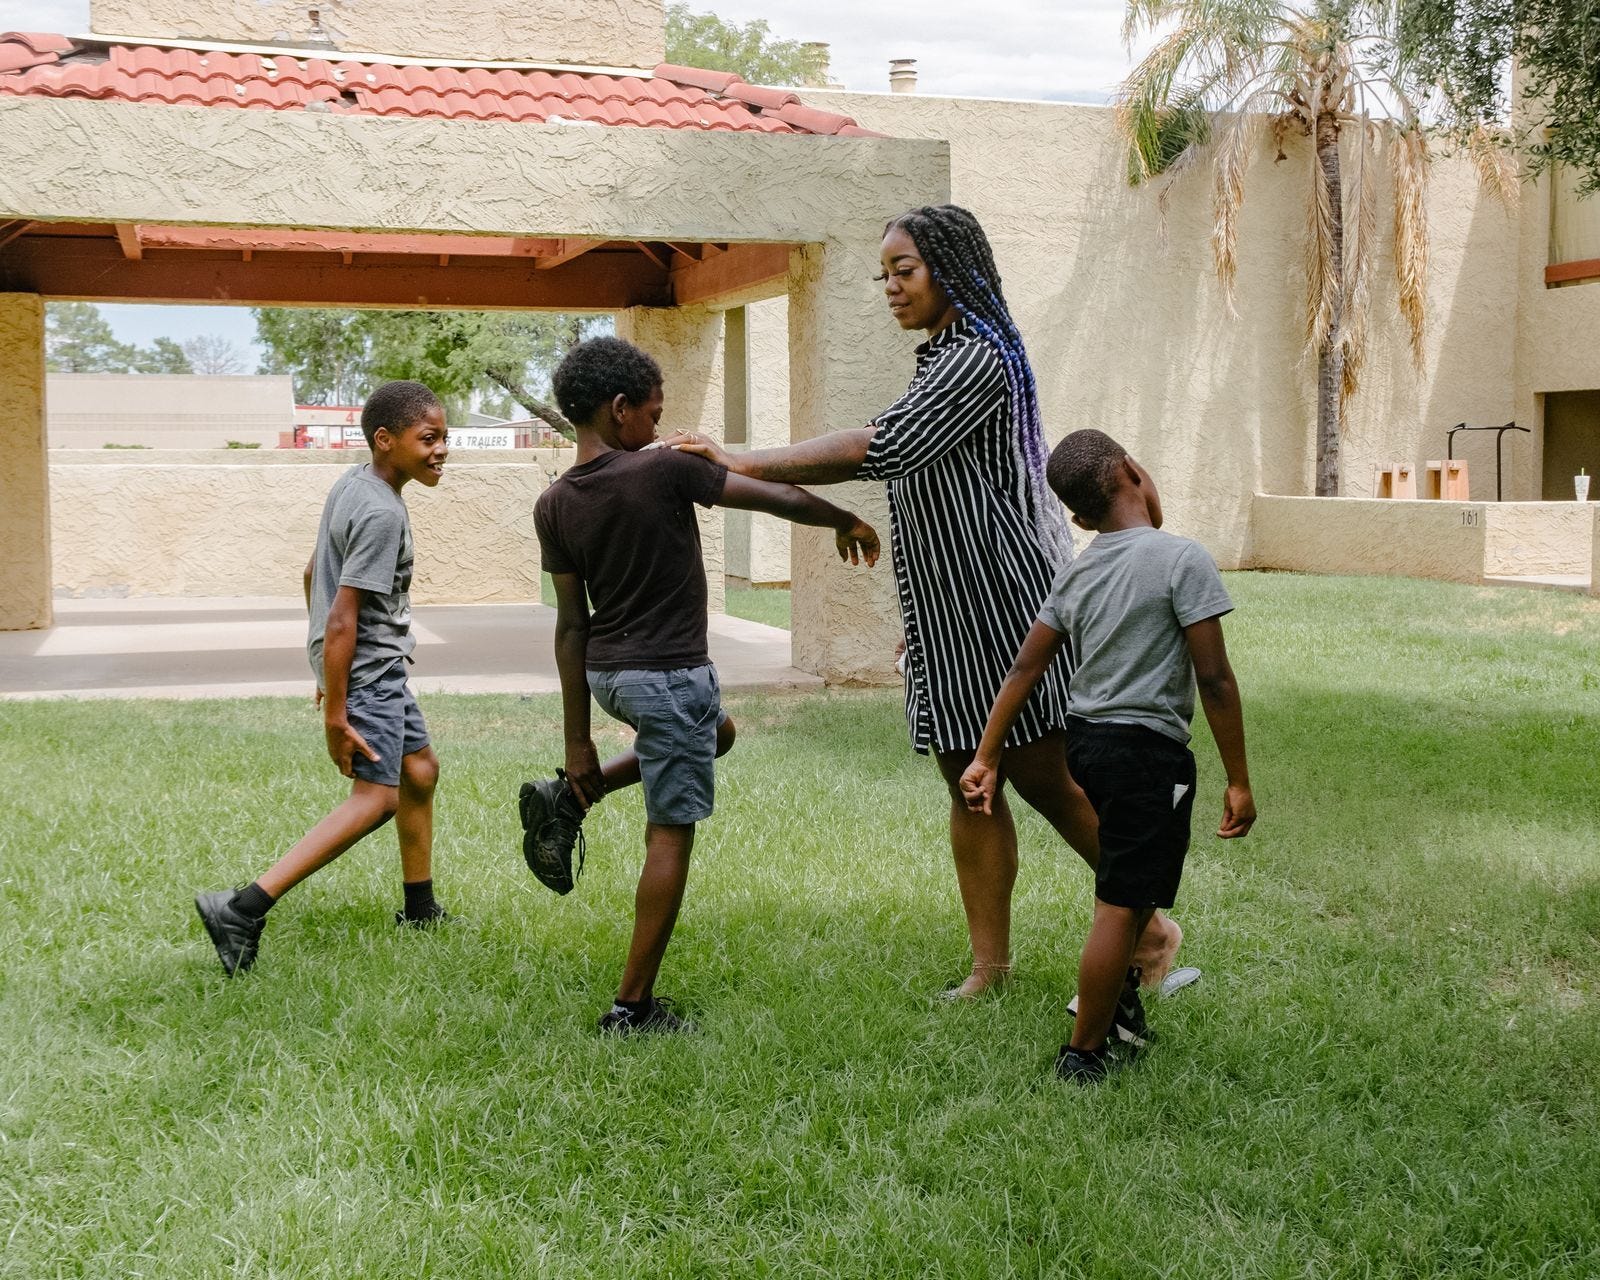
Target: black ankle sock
point(419, 900)
point(252, 901)
point(634, 1006)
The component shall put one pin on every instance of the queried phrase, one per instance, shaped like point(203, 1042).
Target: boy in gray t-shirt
point(1140, 614)
point(358, 587)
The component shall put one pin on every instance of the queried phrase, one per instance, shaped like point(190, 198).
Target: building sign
point(483, 438)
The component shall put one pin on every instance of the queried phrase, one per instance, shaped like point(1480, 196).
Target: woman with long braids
point(977, 538)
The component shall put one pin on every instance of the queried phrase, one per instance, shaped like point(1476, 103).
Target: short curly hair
point(1082, 472)
point(597, 371)
point(398, 406)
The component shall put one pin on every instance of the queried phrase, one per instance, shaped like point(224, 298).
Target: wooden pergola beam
point(128, 238)
point(557, 253)
point(262, 240)
point(744, 273)
point(97, 271)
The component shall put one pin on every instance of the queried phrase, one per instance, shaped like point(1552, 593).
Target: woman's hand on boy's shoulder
point(700, 445)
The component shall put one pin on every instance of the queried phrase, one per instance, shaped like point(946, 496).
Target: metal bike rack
point(1450, 445)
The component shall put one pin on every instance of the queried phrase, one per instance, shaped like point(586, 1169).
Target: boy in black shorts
point(619, 536)
point(1140, 613)
point(358, 592)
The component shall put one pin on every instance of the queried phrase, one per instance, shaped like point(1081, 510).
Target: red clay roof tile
point(44, 65)
point(715, 81)
point(760, 96)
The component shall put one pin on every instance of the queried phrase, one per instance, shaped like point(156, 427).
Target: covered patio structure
point(226, 169)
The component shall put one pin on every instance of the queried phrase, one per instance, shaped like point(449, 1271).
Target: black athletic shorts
point(1141, 784)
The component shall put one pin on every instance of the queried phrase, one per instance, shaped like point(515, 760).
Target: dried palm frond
point(1409, 159)
point(1235, 150)
point(1360, 246)
point(1494, 157)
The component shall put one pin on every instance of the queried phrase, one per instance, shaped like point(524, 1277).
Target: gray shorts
point(675, 715)
point(388, 717)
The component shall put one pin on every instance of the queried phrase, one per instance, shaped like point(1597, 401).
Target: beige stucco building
point(338, 191)
point(167, 410)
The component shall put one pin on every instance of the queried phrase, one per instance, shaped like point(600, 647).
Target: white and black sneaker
point(1127, 1023)
point(655, 1018)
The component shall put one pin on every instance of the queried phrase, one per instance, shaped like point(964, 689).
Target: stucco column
point(25, 483)
point(1594, 558)
point(847, 361)
point(687, 343)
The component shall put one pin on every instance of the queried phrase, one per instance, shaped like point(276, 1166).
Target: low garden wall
point(187, 523)
point(1419, 538)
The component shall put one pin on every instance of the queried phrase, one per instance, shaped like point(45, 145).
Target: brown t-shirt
point(625, 524)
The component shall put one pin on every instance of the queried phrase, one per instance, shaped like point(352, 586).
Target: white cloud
point(1000, 48)
point(45, 15)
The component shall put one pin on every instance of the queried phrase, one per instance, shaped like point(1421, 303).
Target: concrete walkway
point(1541, 581)
point(255, 647)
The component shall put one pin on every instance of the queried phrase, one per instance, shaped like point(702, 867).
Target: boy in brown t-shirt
point(619, 536)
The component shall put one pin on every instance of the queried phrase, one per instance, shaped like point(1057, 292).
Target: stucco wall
point(1557, 348)
point(1538, 538)
point(1129, 332)
point(1395, 537)
point(758, 545)
point(361, 173)
point(541, 459)
point(24, 510)
point(687, 343)
point(192, 530)
point(623, 33)
point(1594, 550)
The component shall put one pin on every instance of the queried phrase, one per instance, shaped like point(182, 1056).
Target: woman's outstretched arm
point(830, 459)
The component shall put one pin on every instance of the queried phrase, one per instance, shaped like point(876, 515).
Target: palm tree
point(1228, 73)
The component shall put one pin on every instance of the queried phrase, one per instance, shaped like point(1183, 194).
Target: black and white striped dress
point(969, 569)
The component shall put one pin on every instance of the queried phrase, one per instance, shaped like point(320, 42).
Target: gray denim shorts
point(675, 715)
point(388, 717)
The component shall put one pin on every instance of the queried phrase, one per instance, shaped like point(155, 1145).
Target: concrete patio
point(255, 647)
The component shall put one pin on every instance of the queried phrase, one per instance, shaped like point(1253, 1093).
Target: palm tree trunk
point(1330, 359)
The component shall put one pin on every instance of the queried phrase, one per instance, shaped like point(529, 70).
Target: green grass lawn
point(1389, 1069)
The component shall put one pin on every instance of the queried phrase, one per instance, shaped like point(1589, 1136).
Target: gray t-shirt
point(364, 541)
point(1123, 604)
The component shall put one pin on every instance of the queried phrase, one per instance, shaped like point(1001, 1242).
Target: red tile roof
point(53, 66)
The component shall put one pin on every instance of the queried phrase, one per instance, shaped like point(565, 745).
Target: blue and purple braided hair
point(957, 253)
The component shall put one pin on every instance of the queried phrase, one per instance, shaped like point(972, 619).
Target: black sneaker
point(1082, 1066)
point(552, 822)
point(439, 917)
point(656, 1017)
point(1091, 1066)
point(235, 935)
point(1127, 1023)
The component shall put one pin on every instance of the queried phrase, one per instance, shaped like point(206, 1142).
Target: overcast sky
point(1059, 49)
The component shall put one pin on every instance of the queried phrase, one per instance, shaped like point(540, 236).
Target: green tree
point(749, 51)
point(338, 356)
point(162, 356)
point(1226, 74)
point(1467, 45)
point(324, 350)
point(79, 339)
